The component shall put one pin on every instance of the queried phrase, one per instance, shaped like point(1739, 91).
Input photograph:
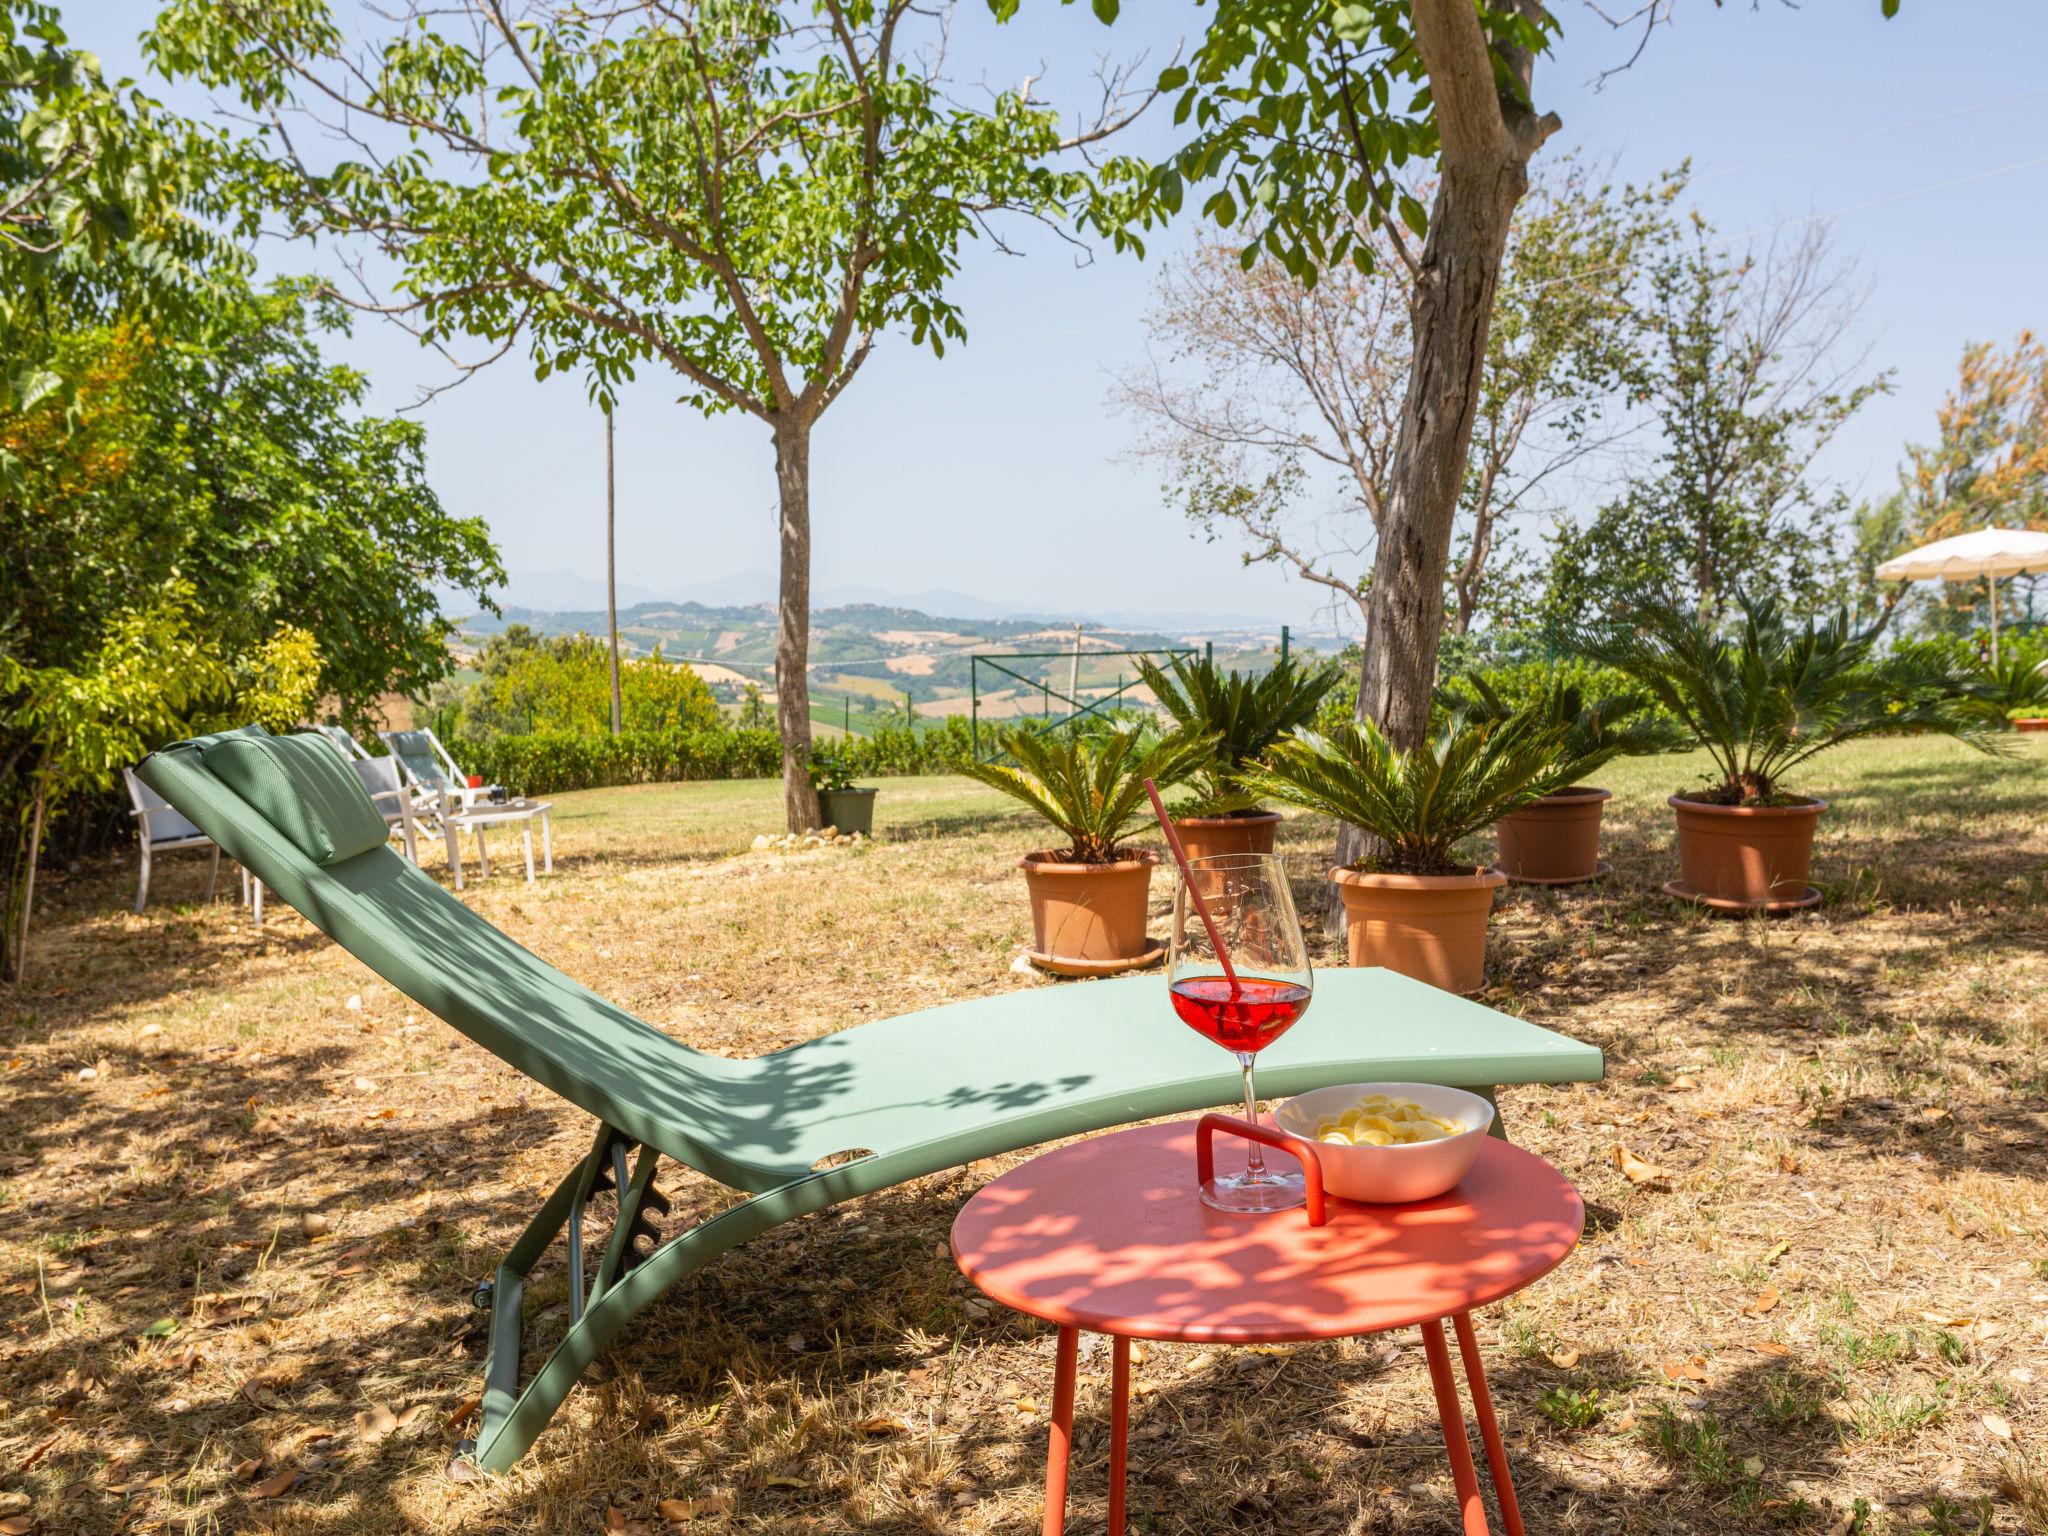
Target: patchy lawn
point(245, 1190)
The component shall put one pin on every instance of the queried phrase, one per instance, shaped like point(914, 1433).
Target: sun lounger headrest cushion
point(300, 785)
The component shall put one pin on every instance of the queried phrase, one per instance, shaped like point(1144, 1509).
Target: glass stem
point(1255, 1155)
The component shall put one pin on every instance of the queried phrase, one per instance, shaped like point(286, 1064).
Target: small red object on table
point(1108, 1235)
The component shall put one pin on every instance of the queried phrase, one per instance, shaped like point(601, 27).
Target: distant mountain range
point(566, 592)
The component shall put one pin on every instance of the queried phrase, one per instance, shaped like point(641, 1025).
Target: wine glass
point(1247, 996)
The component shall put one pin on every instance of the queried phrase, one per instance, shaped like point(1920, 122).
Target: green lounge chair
point(911, 1095)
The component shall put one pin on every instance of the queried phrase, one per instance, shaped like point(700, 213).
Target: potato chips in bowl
point(1389, 1143)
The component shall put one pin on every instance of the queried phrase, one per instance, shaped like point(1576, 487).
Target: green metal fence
point(1078, 709)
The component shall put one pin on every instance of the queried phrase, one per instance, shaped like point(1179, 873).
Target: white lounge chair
point(351, 749)
point(436, 782)
point(159, 828)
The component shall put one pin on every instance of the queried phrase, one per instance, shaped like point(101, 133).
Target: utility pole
point(611, 564)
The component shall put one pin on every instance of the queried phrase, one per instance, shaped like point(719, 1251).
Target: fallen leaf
point(136, 1485)
point(1564, 1359)
point(247, 1468)
point(276, 1484)
point(1634, 1169)
point(883, 1424)
point(375, 1422)
point(17, 1525)
point(1947, 1320)
point(618, 1523)
point(1770, 1347)
point(407, 1418)
point(1766, 1299)
point(1777, 1252)
point(1026, 1405)
point(1753, 1465)
point(1996, 1425)
point(162, 1328)
point(35, 1455)
point(683, 1511)
point(783, 1480)
point(1685, 1370)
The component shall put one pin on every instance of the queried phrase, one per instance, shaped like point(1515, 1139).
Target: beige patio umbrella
point(1988, 552)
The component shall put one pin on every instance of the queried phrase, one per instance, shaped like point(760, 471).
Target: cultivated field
point(245, 1190)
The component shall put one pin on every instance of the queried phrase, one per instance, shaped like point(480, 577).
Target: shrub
point(553, 762)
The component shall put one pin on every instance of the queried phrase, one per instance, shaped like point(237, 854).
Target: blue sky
point(998, 470)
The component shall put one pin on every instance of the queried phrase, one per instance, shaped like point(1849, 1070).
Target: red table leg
point(1489, 1427)
point(1452, 1415)
point(1061, 1443)
point(1119, 1431)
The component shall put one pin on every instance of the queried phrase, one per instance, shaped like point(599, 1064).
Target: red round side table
point(1108, 1235)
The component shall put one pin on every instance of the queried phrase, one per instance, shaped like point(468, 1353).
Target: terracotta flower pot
point(1089, 919)
point(1205, 837)
point(1554, 840)
point(1745, 858)
point(2031, 723)
point(1430, 927)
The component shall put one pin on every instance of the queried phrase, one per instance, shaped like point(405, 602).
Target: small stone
point(794, 1343)
point(365, 1085)
point(354, 1003)
point(762, 840)
point(828, 832)
point(151, 1029)
point(88, 1074)
point(313, 1224)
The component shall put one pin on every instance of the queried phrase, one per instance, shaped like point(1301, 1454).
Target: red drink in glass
point(1247, 1017)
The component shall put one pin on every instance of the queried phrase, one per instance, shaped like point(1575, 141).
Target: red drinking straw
point(1201, 906)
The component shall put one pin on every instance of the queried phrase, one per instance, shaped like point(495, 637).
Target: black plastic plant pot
point(848, 810)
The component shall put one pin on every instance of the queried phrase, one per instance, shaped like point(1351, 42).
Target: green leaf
point(1173, 78)
point(1105, 11)
point(1891, 8)
point(1413, 215)
point(162, 1328)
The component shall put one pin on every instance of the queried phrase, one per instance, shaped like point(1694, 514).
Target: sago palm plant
point(1422, 802)
point(1771, 693)
point(1246, 716)
point(1595, 730)
point(1092, 788)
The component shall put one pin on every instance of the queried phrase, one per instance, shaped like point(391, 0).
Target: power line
point(1867, 136)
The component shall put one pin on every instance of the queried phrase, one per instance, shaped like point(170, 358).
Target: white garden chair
point(159, 828)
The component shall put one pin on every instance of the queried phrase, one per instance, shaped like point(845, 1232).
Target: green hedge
point(551, 762)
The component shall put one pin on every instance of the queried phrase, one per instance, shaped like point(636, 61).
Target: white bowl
point(1421, 1170)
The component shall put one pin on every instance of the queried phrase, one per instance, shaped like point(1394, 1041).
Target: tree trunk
point(1485, 171)
point(793, 624)
point(28, 884)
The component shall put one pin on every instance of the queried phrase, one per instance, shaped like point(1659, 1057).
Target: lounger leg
point(483, 855)
point(1498, 1129)
point(142, 889)
point(547, 846)
point(256, 882)
point(527, 832)
point(213, 874)
point(454, 850)
point(512, 1419)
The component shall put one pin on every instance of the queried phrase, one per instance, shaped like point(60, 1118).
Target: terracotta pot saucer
point(1810, 897)
point(1153, 952)
point(1600, 871)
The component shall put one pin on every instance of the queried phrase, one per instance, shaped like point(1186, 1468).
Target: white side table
point(484, 814)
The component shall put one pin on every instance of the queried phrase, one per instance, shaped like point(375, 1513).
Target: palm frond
point(1776, 692)
point(1092, 788)
point(1244, 715)
point(1420, 803)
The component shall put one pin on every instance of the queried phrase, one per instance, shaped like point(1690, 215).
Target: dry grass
point(253, 1227)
